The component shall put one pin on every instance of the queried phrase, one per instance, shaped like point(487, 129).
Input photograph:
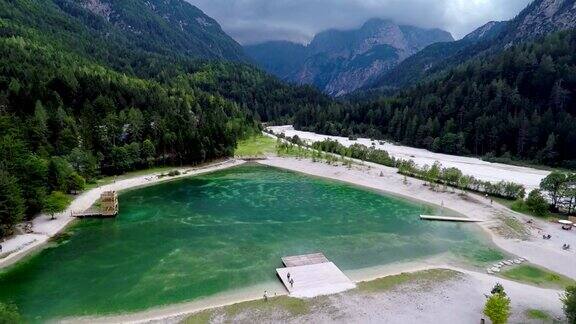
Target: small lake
point(196, 237)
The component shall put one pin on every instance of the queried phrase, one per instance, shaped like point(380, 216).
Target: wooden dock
point(306, 259)
point(313, 275)
point(108, 207)
point(450, 219)
point(88, 213)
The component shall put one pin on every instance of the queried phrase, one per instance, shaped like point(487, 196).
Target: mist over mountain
point(341, 61)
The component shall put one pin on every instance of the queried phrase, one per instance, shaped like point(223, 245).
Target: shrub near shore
point(557, 191)
point(435, 174)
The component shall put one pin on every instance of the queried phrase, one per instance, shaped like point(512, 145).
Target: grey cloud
point(253, 21)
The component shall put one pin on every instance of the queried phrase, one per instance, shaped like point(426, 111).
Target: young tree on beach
point(497, 306)
point(554, 184)
point(498, 309)
point(11, 202)
point(569, 301)
point(433, 174)
point(537, 203)
point(55, 203)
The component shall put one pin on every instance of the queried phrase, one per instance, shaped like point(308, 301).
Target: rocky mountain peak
point(160, 25)
point(486, 31)
point(340, 61)
point(98, 8)
point(543, 17)
point(380, 32)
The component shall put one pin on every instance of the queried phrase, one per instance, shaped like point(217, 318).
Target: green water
point(199, 236)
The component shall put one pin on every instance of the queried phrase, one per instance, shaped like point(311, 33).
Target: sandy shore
point(19, 246)
point(459, 301)
point(493, 172)
point(174, 312)
point(546, 253)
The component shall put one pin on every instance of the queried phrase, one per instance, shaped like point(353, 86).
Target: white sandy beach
point(493, 172)
point(17, 247)
point(457, 301)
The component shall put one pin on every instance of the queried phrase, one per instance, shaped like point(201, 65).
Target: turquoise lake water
point(227, 230)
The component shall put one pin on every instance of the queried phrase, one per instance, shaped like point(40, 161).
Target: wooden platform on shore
point(92, 213)
point(108, 208)
point(450, 219)
point(306, 259)
point(313, 275)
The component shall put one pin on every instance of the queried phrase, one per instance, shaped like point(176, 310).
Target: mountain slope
point(135, 30)
point(83, 94)
point(514, 105)
point(433, 58)
point(538, 19)
point(166, 24)
point(286, 57)
point(339, 62)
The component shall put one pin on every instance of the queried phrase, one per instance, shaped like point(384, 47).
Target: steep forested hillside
point(83, 94)
point(126, 35)
point(517, 104)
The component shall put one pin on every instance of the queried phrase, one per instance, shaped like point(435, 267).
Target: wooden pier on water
point(108, 207)
point(449, 219)
point(254, 158)
point(313, 275)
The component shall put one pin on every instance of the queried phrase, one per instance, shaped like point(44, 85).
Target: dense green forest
point(62, 116)
point(76, 105)
point(518, 104)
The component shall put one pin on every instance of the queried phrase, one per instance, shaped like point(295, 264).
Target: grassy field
point(289, 307)
point(537, 276)
point(540, 315)
point(520, 207)
point(255, 146)
point(424, 277)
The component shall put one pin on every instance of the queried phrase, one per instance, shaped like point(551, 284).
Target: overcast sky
point(254, 21)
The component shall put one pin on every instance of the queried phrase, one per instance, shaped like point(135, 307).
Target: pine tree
point(11, 203)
